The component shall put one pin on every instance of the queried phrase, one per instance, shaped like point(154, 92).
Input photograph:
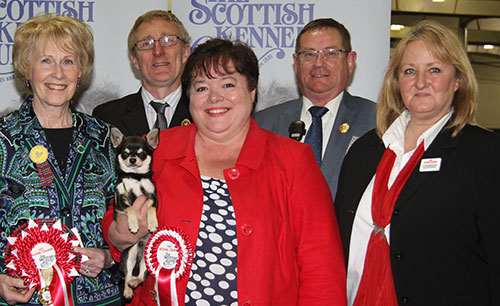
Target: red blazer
point(289, 250)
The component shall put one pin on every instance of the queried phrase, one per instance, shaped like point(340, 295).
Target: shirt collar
point(172, 99)
point(332, 105)
point(394, 137)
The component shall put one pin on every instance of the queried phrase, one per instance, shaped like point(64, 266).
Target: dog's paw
point(152, 225)
point(133, 229)
point(135, 283)
point(152, 221)
point(133, 223)
point(128, 293)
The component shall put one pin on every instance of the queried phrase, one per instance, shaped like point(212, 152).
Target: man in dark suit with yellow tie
point(159, 46)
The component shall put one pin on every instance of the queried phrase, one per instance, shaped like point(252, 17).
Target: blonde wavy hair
point(445, 46)
point(67, 33)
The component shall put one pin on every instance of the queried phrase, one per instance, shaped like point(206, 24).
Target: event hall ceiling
point(476, 21)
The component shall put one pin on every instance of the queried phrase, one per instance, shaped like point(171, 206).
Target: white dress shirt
point(327, 120)
point(363, 223)
point(172, 99)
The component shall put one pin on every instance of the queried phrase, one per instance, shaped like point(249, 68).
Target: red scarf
point(377, 286)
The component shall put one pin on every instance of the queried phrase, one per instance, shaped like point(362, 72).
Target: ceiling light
point(396, 27)
point(488, 47)
point(438, 0)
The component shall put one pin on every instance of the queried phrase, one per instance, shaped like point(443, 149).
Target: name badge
point(430, 164)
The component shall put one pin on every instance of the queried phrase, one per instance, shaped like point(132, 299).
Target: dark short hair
point(215, 55)
point(325, 23)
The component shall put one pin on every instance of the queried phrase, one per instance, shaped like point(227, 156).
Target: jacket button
point(246, 229)
point(404, 299)
point(15, 189)
point(246, 303)
point(233, 173)
point(396, 212)
point(398, 255)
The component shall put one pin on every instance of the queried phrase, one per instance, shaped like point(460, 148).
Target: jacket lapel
point(338, 142)
point(134, 118)
point(289, 115)
point(181, 114)
point(439, 148)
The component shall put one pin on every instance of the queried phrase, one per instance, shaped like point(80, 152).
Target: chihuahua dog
point(133, 168)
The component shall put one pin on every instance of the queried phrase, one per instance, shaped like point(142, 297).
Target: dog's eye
point(124, 155)
point(142, 155)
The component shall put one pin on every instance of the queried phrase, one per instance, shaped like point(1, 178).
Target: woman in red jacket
point(253, 205)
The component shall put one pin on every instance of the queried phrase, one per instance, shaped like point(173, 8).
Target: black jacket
point(445, 229)
point(129, 116)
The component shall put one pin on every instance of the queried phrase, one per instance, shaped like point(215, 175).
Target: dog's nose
point(132, 160)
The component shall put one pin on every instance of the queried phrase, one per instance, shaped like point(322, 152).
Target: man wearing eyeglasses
point(323, 63)
point(158, 47)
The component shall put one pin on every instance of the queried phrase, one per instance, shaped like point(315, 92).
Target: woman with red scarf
point(418, 198)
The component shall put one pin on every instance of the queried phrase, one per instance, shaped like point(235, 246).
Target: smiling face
point(221, 106)
point(427, 85)
point(322, 80)
point(53, 76)
point(161, 67)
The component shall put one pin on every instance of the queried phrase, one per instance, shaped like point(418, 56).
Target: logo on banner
point(268, 27)
point(14, 12)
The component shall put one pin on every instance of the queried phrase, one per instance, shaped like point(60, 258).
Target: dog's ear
point(116, 137)
point(153, 138)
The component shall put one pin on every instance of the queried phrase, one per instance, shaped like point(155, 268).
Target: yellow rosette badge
point(39, 154)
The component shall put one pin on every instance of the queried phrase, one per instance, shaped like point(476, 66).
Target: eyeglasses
point(165, 41)
point(328, 54)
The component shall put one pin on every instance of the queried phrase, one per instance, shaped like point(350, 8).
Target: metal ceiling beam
point(478, 8)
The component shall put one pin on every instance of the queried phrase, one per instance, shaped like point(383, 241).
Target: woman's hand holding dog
point(119, 233)
point(99, 259)
point(13, 290)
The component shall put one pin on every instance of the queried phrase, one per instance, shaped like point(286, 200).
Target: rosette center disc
point(44, 255)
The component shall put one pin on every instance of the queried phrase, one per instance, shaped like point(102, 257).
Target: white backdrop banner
point(110, 21)
point(269, 27)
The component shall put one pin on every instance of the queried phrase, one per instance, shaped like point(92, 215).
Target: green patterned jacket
point(85, 190)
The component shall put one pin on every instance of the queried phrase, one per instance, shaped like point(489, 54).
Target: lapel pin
point(343, 128)
point(39, 154)
point(185, 122)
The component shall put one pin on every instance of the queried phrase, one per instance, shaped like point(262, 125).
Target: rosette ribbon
point(40, 253)
point(168, 256)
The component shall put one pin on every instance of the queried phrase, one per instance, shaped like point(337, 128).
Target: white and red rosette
point(169, 256)
point(40, 253)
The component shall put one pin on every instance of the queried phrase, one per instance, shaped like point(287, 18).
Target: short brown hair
point(150, 16)
point(69, 34)
point(325, 23)
point(445, 46)
point(216, 54)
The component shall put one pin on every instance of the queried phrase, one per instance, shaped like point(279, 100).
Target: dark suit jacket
point(358, 112)
point(129, 116)
point(445, 231)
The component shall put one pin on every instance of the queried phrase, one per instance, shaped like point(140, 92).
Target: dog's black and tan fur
point(133, 168)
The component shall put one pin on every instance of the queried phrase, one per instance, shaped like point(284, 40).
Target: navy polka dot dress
point(212, 280)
